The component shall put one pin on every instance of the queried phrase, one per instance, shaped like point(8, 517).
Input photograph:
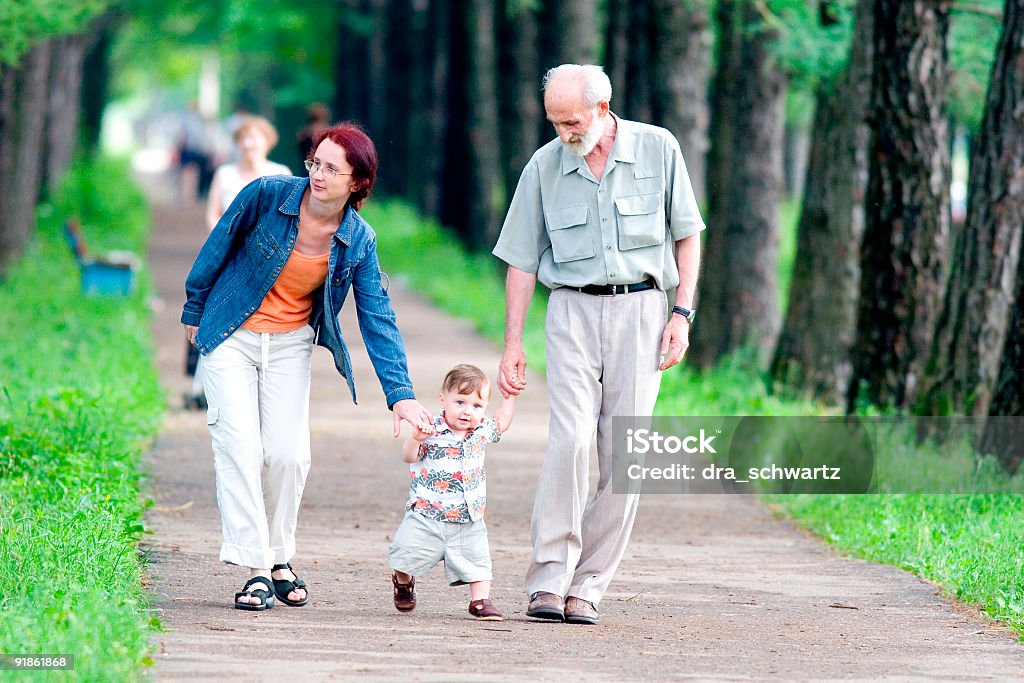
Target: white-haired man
point(606, 218)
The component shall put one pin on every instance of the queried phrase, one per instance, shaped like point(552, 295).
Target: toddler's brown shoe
point(484, 610)
point(405, 594)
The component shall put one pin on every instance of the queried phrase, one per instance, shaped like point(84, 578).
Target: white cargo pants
point(257, 386)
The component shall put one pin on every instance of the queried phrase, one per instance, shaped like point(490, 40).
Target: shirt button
point(225, 334)
point(252, 308)
point(608, 247)
point(611, 274)
point(604, 220)
point(232, 327)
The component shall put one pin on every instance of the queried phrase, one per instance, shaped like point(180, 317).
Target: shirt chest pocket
point(567, 229)
point(641, 220)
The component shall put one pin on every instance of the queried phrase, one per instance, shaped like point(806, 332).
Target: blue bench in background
point(112, 273)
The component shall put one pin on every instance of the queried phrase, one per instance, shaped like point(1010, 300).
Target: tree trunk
point(979, 304)
point(96, 78)
point(739, 300)
point(355, 82)
point(616, 45)
point(22, 184)
point(392, 130)
point(8, 126)
point(681, 61)
point(636, 101)
point(813, 354)
point(722, 132)
point(906, 248)
point(1007, 209)
point(472, 178)
point(432, 147)
point(571, 32)
point(64, 101)
point(522, 109)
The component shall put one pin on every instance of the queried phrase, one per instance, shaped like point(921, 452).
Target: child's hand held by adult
point(414, 413)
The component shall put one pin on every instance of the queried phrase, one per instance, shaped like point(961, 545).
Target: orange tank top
point(289, 302)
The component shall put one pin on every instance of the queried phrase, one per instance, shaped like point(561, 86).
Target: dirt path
point(712, 587)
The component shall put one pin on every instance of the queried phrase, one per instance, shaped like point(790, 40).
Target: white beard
point(582, 145)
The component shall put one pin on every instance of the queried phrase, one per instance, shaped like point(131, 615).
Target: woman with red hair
point(266, 287)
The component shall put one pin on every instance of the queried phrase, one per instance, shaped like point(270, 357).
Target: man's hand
point(190, 334)
point(512, 370)
point(411, 411)
point(674, 341)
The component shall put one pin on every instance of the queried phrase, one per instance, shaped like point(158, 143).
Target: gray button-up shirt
point(573, 230)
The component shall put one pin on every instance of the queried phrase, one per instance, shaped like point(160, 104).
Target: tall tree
point(437, 57)
point(905, 254)
point(681, 61)
point(63, 105)
point(813, 353)
point(658, 57)
point(22, 132)
point(617, 46)
point(521, 105)
point(472, 175)
point(739, 297)
point(1007, 207)
point(570, 34)
point(358, 96)
point(978, 311)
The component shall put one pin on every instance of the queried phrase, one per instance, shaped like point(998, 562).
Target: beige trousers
point(257, 386)
point(602, 361)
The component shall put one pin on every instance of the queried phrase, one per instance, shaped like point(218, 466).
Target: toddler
point(444, 517)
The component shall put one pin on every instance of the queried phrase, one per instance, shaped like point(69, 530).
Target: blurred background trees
point(858, 162)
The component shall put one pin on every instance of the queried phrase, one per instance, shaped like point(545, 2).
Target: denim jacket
point(246, 252)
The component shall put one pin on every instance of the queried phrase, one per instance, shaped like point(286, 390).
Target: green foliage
point(79, 402)
point(276, 49)
point(23, 23)
point(972, 45)
point(809, 51)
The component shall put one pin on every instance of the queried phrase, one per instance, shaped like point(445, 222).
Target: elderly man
point(606, 218)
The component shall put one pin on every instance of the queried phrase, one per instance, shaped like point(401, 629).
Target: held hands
point(411, 411)
point(512, 371)
point(422, 434)
point(674, 341)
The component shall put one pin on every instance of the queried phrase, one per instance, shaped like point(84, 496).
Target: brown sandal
point(405, 594)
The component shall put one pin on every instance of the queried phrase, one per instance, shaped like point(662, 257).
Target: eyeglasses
point(314, 166)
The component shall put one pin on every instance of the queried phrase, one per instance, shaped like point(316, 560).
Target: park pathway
point(712, 587)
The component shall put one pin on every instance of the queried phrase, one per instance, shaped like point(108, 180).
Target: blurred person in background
point(195, 148)
point(318, 118)
point(254, 137)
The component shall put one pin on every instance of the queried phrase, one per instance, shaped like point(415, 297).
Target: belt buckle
point(615, 291)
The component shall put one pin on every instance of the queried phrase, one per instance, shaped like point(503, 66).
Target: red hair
point(360, 153)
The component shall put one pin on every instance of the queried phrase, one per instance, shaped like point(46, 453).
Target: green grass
point(972, 545)
point(80, 403)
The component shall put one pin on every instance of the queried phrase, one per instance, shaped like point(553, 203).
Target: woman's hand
point(190, 334)
point(411, 411)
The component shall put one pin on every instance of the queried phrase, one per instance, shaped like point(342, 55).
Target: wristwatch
point(688, 313)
